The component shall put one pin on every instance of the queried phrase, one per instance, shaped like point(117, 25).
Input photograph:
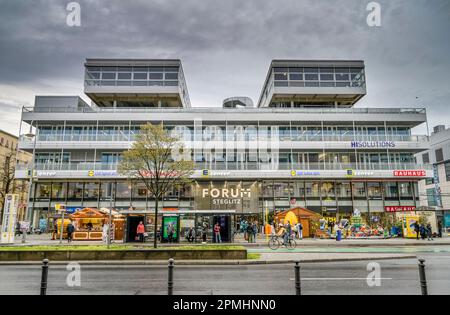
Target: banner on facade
point(9, 218)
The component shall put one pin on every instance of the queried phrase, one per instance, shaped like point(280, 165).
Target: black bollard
point(44, 277)
point(423, 279)
point(298, 289)
point(170, 278)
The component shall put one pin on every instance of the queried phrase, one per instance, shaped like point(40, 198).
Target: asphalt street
point(397, 277)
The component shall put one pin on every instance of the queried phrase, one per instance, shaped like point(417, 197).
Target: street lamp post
point(30, 135)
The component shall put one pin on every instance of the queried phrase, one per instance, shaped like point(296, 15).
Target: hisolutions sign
point(373, 144)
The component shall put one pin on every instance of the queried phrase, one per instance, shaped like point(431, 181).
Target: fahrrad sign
point(9, 218)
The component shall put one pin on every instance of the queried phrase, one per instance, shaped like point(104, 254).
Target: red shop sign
point(399, 208)
point(410, 173)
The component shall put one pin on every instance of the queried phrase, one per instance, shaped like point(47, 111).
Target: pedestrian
point(330, 227)
point(338, 233)
point(439, 229)
point(105, 232)
point(244, 229)
point(70, 230)
point(300, 230)
point(429, 232)
point(255, 229)
point(140, 232)
point(204, 233)
point(55, 230)
point(170, 232)
point(422, 231)
point(417, 229)
point(217, 237)
point(288, 234)
point(249, 232)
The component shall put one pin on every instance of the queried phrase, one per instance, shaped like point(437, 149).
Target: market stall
point(309, 219)
point(88, 224)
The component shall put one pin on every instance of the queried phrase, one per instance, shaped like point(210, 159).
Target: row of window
point(4, 142)
point(134, 76)
point(314, 190)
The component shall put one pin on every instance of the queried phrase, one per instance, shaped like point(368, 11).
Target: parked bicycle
point(275, 242)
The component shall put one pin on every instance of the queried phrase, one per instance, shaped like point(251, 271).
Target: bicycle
point(275, 243)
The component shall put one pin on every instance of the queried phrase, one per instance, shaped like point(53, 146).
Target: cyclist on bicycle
point(281, 231)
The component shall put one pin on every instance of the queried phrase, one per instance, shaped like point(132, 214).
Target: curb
point(204, 262)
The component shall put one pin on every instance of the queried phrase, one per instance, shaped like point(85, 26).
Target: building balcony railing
point(305, 110)
point(282, 137)
point(86, 166)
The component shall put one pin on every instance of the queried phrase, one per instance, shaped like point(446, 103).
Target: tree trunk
point(155, 241)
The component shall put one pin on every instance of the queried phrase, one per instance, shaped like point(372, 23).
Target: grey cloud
point(226, 46)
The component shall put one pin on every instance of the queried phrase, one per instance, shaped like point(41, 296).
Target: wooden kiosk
point(89, 223)
point(306, 217)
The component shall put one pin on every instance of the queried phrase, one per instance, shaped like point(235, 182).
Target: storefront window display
point(327, 191)
point(344, 190)
point(123, 190)
point(312, 190)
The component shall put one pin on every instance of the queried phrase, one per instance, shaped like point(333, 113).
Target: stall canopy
point(88, 213)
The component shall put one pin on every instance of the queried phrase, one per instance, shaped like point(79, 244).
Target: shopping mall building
point(306, 143)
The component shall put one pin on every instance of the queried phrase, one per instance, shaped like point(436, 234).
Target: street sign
point(9, 218)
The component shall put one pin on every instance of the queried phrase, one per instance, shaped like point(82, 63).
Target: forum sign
point(228, 195)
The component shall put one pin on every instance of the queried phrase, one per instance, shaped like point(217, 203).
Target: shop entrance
point(205, 224)
point(132, 224)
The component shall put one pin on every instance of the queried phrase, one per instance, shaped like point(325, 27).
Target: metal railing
point(85, 166)
point(304, 110)
point(84, 137)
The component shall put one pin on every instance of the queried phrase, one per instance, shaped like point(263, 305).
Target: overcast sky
point(226, 46)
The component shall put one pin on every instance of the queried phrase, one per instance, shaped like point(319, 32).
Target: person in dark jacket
point(423, 231)
point(70, 230)
point(429, 232)
point(417, 229)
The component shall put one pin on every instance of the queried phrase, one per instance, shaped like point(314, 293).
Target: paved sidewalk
point(45, 239)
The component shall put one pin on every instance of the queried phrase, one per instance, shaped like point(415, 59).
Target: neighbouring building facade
point(305, 144)
point(9, 157)
point(435, 191)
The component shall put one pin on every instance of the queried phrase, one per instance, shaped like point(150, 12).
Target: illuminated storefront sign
point(207, 173)
point(399, 208)
point(410, 173)
point(102, 173)
point(305, 173)
point(226, 196)
point(373, 144)
point(351, 173)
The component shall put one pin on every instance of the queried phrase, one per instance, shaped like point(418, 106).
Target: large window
point(344, 190)
point(91, 191)
point(327, 191)
point(390, 191)
point(359, 190)
point(123, 190)
point(431, 197)
point(75, 191)
point(312, 190)
point(447, 171)
point(58, 191)
point(439, 155)
point(374, 190)
point(43, 191)
point(406, 190)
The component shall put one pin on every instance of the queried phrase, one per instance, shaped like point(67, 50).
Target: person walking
point(170, 232)
point(105, 233)
point(70, 230)
point(417, 229)
point(423, 231)
point(204, 233)
point(55, 230)
point(217, 237)
point(429, 232)
point(255, 231)
point(140, 232)
point(249, 232)
point(300, 230)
